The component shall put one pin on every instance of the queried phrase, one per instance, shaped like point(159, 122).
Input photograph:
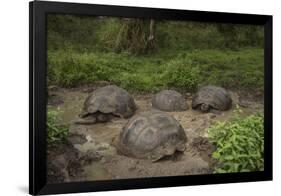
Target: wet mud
point(90, 154)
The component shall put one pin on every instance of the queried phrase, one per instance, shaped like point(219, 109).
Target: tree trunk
point(135, 37)
point(150, 45)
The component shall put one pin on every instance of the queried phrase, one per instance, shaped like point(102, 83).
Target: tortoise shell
point(215, 97)
point(110, 99)
point(151, 135)
point(169, 100)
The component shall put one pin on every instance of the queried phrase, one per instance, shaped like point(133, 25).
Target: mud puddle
point(111, 165)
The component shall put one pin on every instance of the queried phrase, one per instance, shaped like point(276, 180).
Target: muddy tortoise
point(169, 100)
point(151, 135)
point(105, 103)
point(212, 98)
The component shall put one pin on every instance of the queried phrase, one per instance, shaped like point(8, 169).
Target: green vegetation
point(240, 144)
point(185, 69)
point(184, 55)
point(105, 34)
point(181, 73)
point(55, 131)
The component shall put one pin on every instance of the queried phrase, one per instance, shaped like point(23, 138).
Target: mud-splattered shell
point(217, 97)
point(110, 99)
point(169, 100)
point(151, 135)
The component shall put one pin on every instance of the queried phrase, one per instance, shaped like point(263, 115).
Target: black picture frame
point(37, 98)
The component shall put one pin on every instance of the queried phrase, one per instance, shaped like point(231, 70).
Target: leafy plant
point(55, 131)
point(240, 144)
point(182, 73)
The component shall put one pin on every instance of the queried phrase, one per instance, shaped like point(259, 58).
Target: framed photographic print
point(130, 97)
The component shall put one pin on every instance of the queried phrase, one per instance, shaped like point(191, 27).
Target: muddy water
point(115, 166)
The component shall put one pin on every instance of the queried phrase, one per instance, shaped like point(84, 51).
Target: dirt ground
point(90, 154)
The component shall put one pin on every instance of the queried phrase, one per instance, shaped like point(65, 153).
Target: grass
point(181, 69)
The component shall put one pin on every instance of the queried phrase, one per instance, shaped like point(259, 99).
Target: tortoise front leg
point(91, 119)
point(215, 111)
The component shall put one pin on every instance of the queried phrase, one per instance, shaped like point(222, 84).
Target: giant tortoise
point(212, 98)
point(151, 135)
point(169, 100)
point(105, 103)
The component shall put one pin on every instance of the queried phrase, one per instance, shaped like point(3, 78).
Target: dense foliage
point(186, 54)
point(240, 144)
point(185, 69)
point(84, 33)
point(55, 131)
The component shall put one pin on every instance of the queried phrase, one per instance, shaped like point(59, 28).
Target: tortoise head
point(102, 117)
point(205, 107)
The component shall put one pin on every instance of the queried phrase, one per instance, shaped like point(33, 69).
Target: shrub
point(55, 131)
point(240, 144)
point(181, 73)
